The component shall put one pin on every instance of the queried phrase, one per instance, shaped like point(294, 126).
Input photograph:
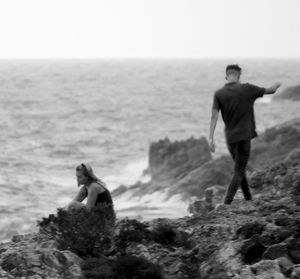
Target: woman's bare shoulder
point(97, 187)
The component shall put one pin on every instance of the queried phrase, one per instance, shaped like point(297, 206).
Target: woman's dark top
point(103, 197)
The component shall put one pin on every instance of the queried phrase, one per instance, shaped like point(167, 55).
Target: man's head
point(233, 72)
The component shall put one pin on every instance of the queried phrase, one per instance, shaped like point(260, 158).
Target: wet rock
point(169, 160)
point(182, 168)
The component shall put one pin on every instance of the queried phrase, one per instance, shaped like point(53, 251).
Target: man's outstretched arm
point(272, 89)
point(213, 124)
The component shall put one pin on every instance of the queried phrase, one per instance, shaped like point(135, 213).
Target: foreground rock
point(241, 241)
point(35, 256)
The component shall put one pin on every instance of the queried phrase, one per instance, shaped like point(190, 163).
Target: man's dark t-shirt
point(236, 100)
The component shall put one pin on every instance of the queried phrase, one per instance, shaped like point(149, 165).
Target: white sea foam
point(132, 173)
point(265, 100)
point(151, 206)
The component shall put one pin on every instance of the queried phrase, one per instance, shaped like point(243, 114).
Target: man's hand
point(277, 85)
point(212, 145)
point(273, 88)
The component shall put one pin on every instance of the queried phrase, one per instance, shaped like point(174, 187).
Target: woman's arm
point(81, 195)
point(92, 196)
point(76, 202)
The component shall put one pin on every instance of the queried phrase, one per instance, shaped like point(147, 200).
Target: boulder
point(173, 160)
point(169, 163)
point(214, 172)
point(275, 144)
point(291, 93)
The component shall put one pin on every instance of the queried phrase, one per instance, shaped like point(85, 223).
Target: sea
point(56, 114)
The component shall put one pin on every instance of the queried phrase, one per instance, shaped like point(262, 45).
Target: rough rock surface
point(35, 256)
point(275, 144)
point(172, 160)
point(214, 172)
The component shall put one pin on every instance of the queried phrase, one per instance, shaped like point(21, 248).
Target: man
point(236, 100)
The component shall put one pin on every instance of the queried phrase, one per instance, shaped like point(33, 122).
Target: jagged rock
point(30, 256)
point(282, 218)
point(190, 176)
point(275, 251)
point(214, 172)
point(171, 160)
point(267, 269)
point(169, 163)
point(291, 93)
point(273, 234)
point(248, 230)
point(275, 144)
point(280, 180)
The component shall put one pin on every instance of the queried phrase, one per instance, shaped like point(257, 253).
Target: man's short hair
point(233, 67)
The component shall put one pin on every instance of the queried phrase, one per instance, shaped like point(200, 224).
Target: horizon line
point(154, 58)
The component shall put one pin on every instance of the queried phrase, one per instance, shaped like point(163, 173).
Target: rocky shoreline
point(246, 240)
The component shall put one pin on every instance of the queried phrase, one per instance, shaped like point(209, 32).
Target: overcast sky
point(149, 28)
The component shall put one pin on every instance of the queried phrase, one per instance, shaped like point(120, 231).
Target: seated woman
point(92, 188)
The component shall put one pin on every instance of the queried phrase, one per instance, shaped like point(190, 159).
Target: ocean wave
point(128, 175)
